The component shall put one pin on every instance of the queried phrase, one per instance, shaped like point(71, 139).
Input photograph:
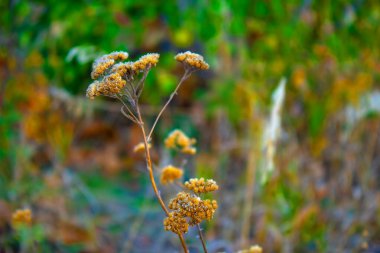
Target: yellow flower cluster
point(124, 68)
point(110, 85)
point(141, 147)
point(146, 61)
point(111, 77)
point(192, 60)
point(117, 56)
point(170, 173)
point(190, 206)
point(22, 216)
point(252, 249)
point(102, 64)
point(177, 139)
point(176, 223)
point(201, 185)
point(100, 67)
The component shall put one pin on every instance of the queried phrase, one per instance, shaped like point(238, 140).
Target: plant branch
point(201, 238)
point(183, 243)
point(151, 175)
point(149, 165)
point(140, 84)
point(184, 77)
point(130, 115)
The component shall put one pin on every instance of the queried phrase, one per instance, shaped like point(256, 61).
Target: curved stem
point(149, 164)
point(151, 175)
point(201, 238)
point(134, 119)
point(184, 77)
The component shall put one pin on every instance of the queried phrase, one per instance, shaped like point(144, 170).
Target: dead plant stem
point(151, 175)
point(201, 238)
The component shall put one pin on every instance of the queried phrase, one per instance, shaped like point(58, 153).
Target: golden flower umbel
point(201, 185)
point(192, 59)
point(110, 85)
point(176, 223)
point(193, 207)
point(104, 63)
point(100, 67)
point(178, 139)
point(124, 69)
point(22, 217)
point(170, 174)
point(117, 56)
point(146, 61)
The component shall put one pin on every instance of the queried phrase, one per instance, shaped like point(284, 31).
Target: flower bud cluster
point(201, 185)
point(192, 60)
point(170, 174)
point(178, 140)
point(193, 207)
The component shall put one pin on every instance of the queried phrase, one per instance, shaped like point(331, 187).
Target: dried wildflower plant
point(188, 207)
point(124, 80)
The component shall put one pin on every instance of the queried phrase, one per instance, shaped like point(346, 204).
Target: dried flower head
point(178, 139)
point(124, 68)
point(193, 207)
point(117, 56)
point(22, 216)
point(92, 90)
point(104, 63)
point(110, 85)
point(201, 185)
point(100, 67)
point(146, 61)
point(170, 174)
point(176, 223)
point(192, 60)
point(140, 147)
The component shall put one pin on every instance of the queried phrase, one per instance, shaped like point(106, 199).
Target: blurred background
point(298, 164)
